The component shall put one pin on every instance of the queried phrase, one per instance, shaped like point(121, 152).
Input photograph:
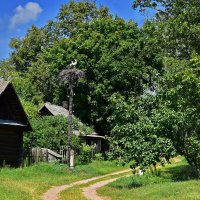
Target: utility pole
point(70, 76)
point(71, 96)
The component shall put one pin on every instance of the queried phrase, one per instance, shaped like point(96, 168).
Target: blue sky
point(17, 16)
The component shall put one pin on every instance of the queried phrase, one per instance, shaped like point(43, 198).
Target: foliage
point(30, 109)
point(100, 52)
point(172, 113)
point(134, 136)
point(150, 186)
point(85, 155)
point(74, 15)
point(98, 156)
point(175, 113)
point(178, 114)
point(51, 132)
point(83, 128)
point(26, 49)
point(6, 70)
point(141, 84)
point(176, 25)
point(113, 53)
point(31, 182)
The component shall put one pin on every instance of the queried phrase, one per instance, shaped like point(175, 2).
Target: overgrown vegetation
point(85, 155)
point(32, 182)
point(141, 85)
point(176, 181)
point(54, 128)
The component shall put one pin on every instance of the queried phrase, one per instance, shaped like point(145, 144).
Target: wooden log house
point(13, 122)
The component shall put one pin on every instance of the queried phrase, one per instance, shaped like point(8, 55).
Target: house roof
point(59, 110)
point(11, 110)
point(93, 136)
point(55, 110)
point(3, 86)
point(11, 123)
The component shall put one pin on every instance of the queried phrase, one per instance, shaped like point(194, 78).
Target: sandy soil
point(90, 192)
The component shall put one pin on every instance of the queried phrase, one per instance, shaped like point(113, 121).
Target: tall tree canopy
point(141, 84)
point(113, 53)
point(177, 23)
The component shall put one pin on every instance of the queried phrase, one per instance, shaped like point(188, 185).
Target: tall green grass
point(138, 181)
point(31, 182)
point(176, 181)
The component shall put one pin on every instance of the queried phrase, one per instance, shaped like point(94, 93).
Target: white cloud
point(25, 14)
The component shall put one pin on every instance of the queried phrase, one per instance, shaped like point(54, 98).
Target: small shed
point(13, 122)
point(49, 109)
point(100, 142)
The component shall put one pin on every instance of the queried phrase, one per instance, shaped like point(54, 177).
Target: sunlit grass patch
point(31, 182)
point(138, 181)
point(175, 181)
point(76, 192)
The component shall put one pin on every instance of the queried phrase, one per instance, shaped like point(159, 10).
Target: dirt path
point(53, 193)
point(90, 192)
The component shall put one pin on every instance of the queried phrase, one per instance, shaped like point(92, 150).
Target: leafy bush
point(83, 128)
point(51, 132)
point(30, 108)
point(85, 154)
point(98, 156)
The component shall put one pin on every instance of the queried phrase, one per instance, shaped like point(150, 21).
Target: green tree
point(116, 56)
point(177, 25)
point(134, 134)
point(75, 15)
point(6, 69)
point(25, 50)
point(178, 114)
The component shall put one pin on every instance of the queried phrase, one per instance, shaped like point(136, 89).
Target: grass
point(30, 183)
point(75, 193)
point(176, 181)
point(137, 181)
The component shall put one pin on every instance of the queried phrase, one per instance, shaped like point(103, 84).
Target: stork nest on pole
point(73, 75)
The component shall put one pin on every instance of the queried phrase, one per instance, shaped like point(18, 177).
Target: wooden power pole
point(70, 76)
point(70, 123)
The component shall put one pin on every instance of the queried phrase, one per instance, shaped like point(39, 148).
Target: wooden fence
point(38, 154)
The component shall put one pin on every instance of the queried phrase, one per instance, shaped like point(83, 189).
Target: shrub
point(85, 154)
point(98, 156)
point(51, 132)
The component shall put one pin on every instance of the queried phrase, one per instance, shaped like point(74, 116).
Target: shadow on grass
point(181, 173)
point(175, 172)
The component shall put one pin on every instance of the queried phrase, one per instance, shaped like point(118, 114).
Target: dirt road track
point(53, 193)
point(90, 192)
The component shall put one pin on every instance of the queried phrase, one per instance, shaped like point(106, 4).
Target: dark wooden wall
point(11, 145)
point(45, 112)
point(10, 107)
